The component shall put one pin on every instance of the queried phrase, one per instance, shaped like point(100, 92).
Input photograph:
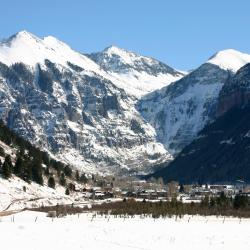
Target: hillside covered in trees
point(19, 157)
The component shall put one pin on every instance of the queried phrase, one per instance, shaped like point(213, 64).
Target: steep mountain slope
point(179, 111)
point(136, 74)
point(236, 91)
point(63, 102)
point(221, 152)
point(15, 193)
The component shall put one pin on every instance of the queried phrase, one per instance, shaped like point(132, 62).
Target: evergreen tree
point(45, 158)
point(51, 182)
point(222, 200)
point(77, 175)
point(21, 151)
point(27, 172)
point(7, 167)
point(240, 201)
point(212, 202)
point(67, 171)
point(2, 152)
point(62, 180)
point(181, 189)
point(71, 187)
point(19, 167)
point(67, 191)
point(83, 179)
point(37, 171)
point(205, 201)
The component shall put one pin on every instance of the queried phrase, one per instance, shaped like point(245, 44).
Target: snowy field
point(12, 196)
point(33, 230)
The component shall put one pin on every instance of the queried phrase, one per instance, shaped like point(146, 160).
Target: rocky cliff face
point(220, 152)
point(112, 111)
point(139, 75)
point(179, 111)
point(236, 91)
point(66, 104)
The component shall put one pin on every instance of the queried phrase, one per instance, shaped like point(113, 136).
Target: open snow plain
point(34, 231)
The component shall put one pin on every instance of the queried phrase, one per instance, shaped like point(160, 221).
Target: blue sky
point(182, 33)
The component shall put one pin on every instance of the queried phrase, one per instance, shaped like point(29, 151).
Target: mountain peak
point(229, 59)
point(125, 55)
point(24, 33)
point(29, 49)
point(20, 37)
point(137, 74)
point(113, 48)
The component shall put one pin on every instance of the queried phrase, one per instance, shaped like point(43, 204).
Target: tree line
point(238, 206)
point(32, 164)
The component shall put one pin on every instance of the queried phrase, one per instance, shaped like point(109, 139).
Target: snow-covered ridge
point(29, 49)
point(137, 74)
point(70, 107)
point(230, 59)
point(126, 56)
point(178, 112)
point(82, 107)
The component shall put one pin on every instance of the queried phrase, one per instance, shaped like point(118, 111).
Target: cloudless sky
point(181, 33)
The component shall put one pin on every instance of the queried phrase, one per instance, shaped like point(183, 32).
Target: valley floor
point(33, 230)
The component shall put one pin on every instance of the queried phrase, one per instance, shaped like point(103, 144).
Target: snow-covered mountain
point(179, 111)
point(220, 153)
point(110, 111)
point(229, 59)
point(138, 75)
point(63, 102)
point(30, 50)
